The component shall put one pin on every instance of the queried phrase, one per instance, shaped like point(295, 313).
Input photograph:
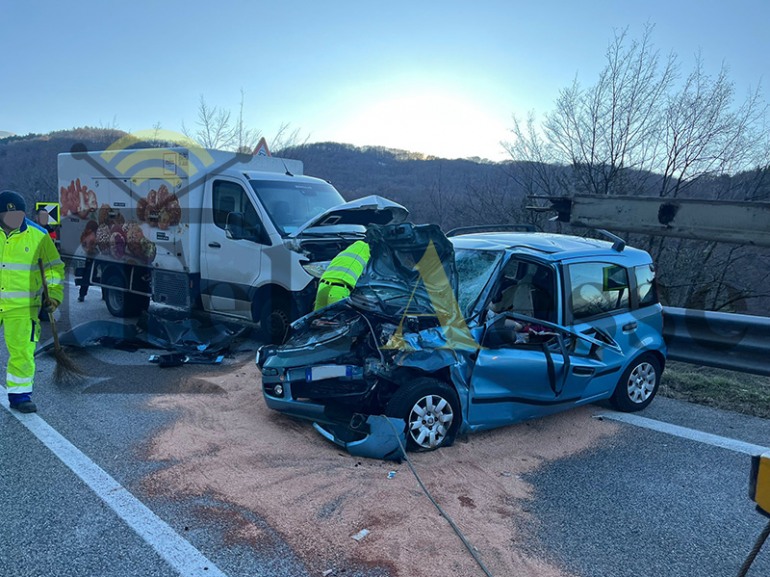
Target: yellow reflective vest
point(21, 287)
point(348, 265)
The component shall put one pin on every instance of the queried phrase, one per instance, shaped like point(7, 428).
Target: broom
point(66, 371)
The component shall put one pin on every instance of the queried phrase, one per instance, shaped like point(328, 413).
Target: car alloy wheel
point(637, 386)
point(430, 410)
point(430, 421)
point(641, 382)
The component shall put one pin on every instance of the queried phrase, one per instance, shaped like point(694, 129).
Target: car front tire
point(431, 411)
point(638, 384)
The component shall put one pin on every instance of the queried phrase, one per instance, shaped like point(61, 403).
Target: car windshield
point(474, 268)
point(292, 204)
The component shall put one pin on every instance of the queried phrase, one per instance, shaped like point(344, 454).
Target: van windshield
point(292, 204)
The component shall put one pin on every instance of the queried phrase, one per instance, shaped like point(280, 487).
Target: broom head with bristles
point(66, 371)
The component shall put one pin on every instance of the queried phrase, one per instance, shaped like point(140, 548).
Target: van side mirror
point(237, 228)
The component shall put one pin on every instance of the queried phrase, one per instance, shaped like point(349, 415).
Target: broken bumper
point(381, 437)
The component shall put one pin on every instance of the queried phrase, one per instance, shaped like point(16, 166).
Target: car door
point(598, 298)
point(230, 264)
point(525, 370)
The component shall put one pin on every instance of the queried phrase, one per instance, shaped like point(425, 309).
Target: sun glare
point(438, 124)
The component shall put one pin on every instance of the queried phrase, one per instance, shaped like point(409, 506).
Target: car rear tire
point(638, 384)
point(431, 411)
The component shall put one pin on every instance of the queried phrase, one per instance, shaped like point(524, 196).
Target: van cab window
point(230, 197)
point(292, 204)
point(597, 288)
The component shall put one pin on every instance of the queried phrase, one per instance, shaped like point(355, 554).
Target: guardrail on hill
point(723, 340)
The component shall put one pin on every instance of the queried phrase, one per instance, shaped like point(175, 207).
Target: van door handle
point(629, 327)
point(215, 245)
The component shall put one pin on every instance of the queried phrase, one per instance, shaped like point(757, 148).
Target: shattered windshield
point(474, 268)
point(292, 204)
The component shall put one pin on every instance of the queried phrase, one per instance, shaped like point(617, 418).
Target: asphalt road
point(642, 503)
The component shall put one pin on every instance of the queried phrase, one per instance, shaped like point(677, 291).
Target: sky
point(438, 77)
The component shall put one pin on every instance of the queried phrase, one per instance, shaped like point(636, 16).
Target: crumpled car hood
point(411, 271)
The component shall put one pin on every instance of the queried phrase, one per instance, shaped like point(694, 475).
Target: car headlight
point(316, 269)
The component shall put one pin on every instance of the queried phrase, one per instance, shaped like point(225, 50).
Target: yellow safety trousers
point(21, 334)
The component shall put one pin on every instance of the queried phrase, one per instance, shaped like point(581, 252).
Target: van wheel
point(275, 318)
point(638, 384)
point(431, 412)
point(120, 303)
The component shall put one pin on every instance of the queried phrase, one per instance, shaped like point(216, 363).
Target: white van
point(235, 235)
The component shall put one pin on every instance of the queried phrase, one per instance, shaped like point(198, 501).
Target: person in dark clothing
point(85, 280)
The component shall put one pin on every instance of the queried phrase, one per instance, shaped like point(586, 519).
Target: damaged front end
point(342, 365)
point(331, 371)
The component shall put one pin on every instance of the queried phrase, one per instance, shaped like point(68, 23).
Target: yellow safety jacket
point(348, 265)
point(21, 286)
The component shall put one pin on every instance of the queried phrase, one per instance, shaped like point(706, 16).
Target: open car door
point(527, 368)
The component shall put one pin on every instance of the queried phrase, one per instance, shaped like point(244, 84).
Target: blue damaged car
point(445, 336)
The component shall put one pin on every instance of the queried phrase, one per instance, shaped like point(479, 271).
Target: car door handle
point(630, 327)
point(215, 245)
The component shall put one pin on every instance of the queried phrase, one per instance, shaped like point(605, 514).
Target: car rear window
point(646, 292)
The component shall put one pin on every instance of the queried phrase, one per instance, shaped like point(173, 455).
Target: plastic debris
point(391, 474)
point(360, 535)
point(327, 573)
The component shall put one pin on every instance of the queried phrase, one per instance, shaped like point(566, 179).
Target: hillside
point(448, 192)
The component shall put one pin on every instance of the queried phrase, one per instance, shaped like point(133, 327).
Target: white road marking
point(181, 555)
point(685, 433)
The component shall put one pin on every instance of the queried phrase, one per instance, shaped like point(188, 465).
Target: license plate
point(322, 372)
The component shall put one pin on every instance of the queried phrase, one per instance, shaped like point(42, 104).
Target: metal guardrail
point(722, 340)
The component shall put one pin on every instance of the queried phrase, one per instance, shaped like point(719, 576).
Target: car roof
point(550, 246)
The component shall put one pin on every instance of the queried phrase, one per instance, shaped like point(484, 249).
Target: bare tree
point(643, 129)
point(638, 124)
point(287, 137)
point(217, 128)
point(213, 127)
point(244, 139)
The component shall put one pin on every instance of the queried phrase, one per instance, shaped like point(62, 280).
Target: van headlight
point(316, 269)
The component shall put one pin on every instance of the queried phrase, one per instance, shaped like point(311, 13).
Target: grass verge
point(740, 392)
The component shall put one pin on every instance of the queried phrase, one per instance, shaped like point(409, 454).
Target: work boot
point(25, 407)
point(22, 402)
point(81, 298)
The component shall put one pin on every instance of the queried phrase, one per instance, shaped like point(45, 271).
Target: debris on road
point(361, 535)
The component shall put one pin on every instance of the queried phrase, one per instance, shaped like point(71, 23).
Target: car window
point(527, 288)
point(597, 288)
point(646, 292)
